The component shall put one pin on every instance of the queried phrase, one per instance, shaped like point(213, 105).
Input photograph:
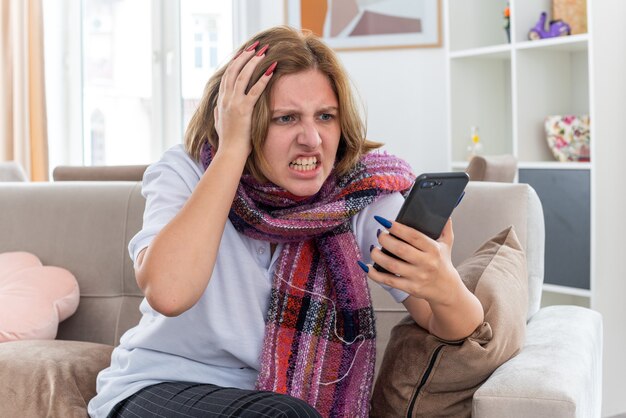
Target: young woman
point(254, 302)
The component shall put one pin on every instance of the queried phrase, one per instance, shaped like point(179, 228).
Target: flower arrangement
point(507, 21)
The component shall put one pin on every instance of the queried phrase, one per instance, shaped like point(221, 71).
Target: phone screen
point(430, 203)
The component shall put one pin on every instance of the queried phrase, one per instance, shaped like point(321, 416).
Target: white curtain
point(23, 132)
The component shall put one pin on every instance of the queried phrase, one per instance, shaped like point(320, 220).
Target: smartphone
point(430, 203)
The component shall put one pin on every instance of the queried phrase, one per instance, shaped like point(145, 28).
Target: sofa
point(85, 227)
point(99, 173)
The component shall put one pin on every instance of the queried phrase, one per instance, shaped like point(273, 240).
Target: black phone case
point(430, 203)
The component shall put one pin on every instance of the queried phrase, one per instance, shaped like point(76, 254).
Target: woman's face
point(303, 133)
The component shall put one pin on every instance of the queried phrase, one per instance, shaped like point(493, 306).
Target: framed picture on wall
point(369, 24)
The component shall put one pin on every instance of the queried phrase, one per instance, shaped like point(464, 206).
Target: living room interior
point(113, 83)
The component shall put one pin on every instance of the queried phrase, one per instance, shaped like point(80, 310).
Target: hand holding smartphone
point(430, 203)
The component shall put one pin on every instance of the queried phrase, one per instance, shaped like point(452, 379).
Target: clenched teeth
point(304, 164)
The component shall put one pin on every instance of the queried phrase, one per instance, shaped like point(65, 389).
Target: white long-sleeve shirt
point(219, 340)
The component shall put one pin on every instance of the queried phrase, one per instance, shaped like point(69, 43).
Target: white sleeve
point(167, 184)
point(365, 228)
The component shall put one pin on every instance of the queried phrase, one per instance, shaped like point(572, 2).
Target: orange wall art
point(369, 24)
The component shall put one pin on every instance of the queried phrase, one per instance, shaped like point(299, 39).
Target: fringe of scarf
point(319, 342)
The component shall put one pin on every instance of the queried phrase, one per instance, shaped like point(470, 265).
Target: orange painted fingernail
point(271, 68)
point(262, 50)
point(252, 47)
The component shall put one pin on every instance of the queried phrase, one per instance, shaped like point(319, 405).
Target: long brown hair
point(294, 51)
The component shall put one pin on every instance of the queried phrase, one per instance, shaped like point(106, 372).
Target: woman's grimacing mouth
point(304, 163)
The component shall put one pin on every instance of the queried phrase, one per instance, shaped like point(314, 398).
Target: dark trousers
point(182, 399)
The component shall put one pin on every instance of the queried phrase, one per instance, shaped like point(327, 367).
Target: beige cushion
point(33, 298)
point(487, 209)
point(499, 168)
point(49, 378)
point(447, 374)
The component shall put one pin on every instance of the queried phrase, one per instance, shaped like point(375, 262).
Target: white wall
point(403, 92)
point(405, 98)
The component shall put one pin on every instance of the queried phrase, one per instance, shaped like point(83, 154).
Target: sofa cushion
point(424, 376)
point(33, 298)
point(49, 378)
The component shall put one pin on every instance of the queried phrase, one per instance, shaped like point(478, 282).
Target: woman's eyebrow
point(283, 110)
point(293, 110)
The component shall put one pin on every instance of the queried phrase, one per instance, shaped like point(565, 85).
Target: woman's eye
point(326, 116)
point(285, 119)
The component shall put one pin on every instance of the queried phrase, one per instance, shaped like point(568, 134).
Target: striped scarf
point(319, 342)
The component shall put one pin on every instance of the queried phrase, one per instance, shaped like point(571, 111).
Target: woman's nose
point(309, 137)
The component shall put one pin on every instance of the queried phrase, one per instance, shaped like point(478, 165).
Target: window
point(123, 91)
point(98, 144)
point(117, 63)
point(207, 41)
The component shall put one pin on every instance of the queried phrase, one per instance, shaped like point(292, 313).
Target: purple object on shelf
point(555, 28)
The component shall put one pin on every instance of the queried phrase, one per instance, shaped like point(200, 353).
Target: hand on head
point(233, 114)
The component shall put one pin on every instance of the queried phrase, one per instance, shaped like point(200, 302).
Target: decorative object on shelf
point(568, 137)
point(507, 22)
point(475, 147)
point(554, 29)
point(574, 12)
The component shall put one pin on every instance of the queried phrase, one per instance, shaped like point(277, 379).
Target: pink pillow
point(33, 298)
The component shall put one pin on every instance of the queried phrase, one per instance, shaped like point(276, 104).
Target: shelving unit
point(507, 89)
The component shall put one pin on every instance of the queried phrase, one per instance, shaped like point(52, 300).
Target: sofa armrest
point(558, 373)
